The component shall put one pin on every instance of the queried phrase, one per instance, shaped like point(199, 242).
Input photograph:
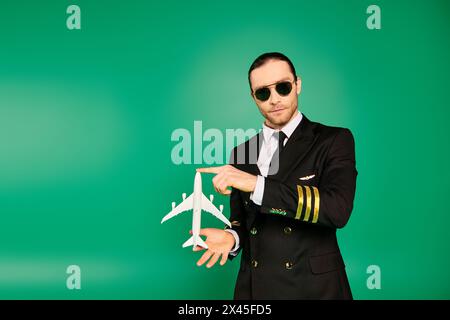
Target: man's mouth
point(276, 110)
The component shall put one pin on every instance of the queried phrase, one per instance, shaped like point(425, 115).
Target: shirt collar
point(288, 129)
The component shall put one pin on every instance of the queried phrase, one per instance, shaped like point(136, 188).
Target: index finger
point(210, 170)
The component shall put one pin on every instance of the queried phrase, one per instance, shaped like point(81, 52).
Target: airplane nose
point(197, 181)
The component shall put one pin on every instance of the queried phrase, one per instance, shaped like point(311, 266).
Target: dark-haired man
point(287, 205)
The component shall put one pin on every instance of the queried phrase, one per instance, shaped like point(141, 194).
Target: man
point(287, 205)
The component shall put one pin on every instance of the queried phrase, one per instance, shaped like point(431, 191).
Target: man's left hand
point(229, 176)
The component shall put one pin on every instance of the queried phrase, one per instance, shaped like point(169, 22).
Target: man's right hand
point(220, 243)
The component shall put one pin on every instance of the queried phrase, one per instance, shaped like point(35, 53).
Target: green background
point(86, 118)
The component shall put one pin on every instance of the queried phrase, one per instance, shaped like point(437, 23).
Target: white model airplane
point(196, 201)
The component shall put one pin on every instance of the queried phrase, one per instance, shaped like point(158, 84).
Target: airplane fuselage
point(197, 207)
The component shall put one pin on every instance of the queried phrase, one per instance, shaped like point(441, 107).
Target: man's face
point(278, 109)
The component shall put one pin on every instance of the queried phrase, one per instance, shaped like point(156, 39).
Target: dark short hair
point(262, 59)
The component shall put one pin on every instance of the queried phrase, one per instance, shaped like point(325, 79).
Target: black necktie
point(281, 136)
point(275, 162)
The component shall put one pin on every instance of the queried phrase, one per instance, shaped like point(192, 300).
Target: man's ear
point(299, 85)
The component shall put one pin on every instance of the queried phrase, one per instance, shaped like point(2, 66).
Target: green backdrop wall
point(86, 118)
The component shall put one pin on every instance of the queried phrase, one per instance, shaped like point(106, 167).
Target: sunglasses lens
point(284, 88)
point(262, 94)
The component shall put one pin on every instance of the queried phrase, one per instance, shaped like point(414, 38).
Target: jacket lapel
point(296, 148)
point(251, 159)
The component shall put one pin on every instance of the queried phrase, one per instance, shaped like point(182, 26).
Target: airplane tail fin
point(190, 242)
point(201, 243)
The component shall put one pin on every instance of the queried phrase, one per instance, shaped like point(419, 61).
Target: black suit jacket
point(289, 246)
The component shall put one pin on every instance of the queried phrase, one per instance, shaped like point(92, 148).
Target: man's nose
point(274, 97)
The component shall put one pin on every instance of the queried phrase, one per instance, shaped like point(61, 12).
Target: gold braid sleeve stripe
point(316, 204)
point(308, 203)
point(300, 202)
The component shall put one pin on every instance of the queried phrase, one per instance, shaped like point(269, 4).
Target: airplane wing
point(208, 206)
point(187, 204)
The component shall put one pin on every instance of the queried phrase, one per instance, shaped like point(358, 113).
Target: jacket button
point(254, 263)
point(289, 265)
point(246, 202)
point(253, 231)
point(287, 230)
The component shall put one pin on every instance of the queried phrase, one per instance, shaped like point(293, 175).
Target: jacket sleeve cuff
point(257, 195)
point(236, 241)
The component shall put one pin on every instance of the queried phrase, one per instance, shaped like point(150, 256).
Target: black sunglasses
point(283, 88)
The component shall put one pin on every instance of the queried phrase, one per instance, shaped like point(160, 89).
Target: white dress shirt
point(268, 148)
